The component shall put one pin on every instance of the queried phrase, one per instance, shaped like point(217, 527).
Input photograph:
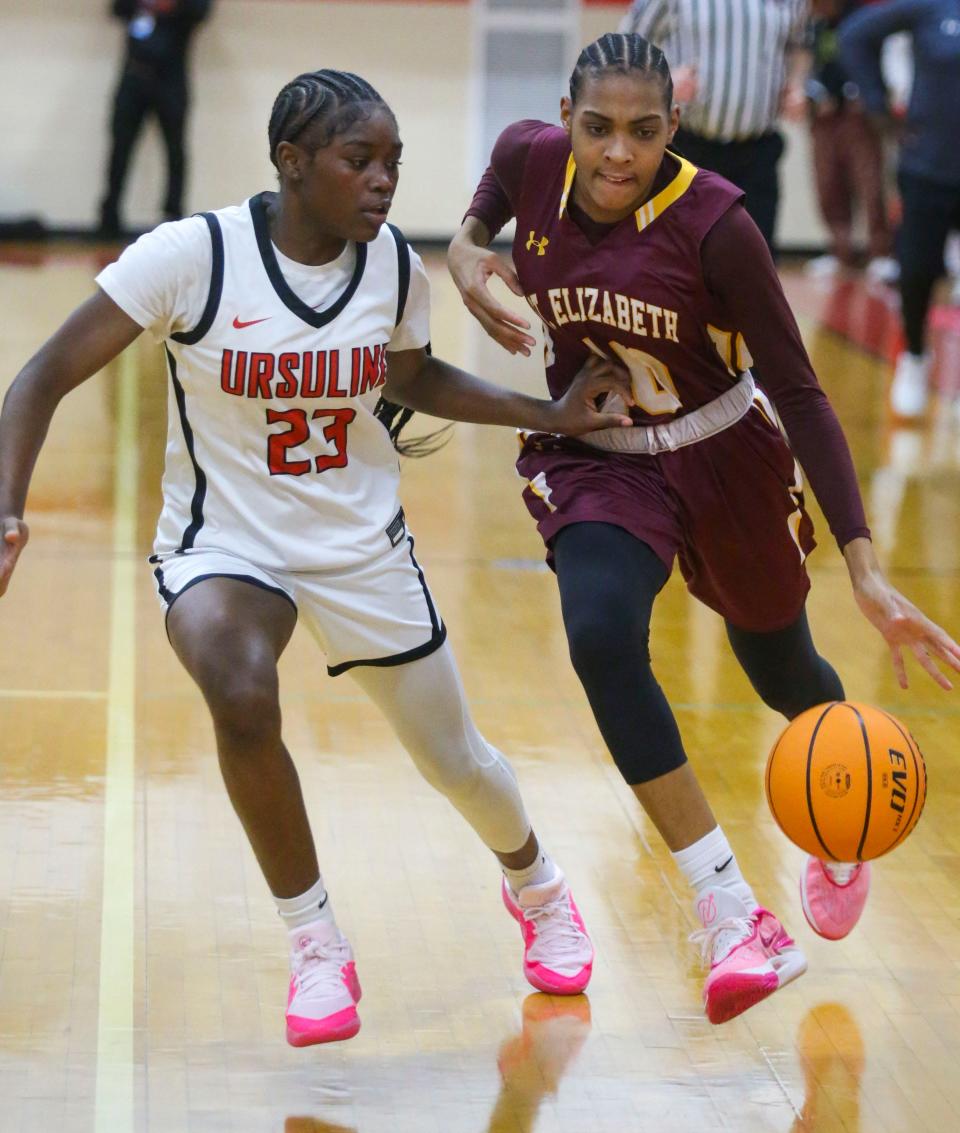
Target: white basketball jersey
point(273, 450)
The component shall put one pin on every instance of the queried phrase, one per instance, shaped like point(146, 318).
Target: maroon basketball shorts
point(728, 508)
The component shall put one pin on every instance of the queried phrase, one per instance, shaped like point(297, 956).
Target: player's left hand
point(905, 627)
point(14, 534)
point(576, 412)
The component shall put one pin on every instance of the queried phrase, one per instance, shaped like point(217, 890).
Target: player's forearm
point(862, 563)
point(24, 421)
point(443, 390)
point(473, 233)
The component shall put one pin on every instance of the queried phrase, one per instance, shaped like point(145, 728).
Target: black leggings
point(930, 210)
point(608, 581)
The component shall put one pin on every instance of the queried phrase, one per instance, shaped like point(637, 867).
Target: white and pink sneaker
point(324, 989)
point(749, 953)
point(833, 896)
point(557, 952)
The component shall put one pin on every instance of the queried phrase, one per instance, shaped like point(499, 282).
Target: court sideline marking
point(114, 1112)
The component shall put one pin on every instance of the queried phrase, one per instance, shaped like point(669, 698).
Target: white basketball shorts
point(380, 613)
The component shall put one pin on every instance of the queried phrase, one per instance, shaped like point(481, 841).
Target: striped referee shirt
point(738, 48)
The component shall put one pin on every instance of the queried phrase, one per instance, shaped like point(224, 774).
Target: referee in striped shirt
point(737, 64)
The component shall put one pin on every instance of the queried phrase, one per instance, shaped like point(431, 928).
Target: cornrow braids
point(336, 98)
point(394, 417)
point(621, 54)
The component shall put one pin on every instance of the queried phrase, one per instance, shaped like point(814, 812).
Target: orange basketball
point(846, 781)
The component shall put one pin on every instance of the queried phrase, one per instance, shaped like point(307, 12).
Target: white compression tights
point(424, 702)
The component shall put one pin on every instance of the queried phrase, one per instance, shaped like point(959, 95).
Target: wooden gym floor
point(142, 967)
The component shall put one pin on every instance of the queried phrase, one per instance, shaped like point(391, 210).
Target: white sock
point(710, 862)
point(841, 873)
point(540, 871)
point(308, 908)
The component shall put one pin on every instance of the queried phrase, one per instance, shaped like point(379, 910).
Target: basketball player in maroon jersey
point(627, 252)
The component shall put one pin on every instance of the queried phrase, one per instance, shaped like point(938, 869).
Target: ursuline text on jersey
point(311, 373)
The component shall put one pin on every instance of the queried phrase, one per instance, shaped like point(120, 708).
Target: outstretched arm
point(898, 619)
point(733, 249)
point(424, 383)
point(95, 333)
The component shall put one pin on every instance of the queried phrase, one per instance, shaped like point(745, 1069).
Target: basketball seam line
point(866, 747)
point(813, 817)
point(916, 795)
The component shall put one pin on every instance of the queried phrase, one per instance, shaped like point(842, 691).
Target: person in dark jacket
point(153, 80)
point(929, 166)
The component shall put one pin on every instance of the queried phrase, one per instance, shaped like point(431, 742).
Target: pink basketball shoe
point(749, 953)
point(833, 896)
point(324, 989)
point(557, 953)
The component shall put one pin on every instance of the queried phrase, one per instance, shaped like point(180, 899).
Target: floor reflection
point(831, 1052)
point(533, 1062)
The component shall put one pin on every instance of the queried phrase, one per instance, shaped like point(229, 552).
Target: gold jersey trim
point(647, 213)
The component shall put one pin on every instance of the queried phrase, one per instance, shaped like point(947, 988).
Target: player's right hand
point(15, 534)
point(576, 412)
point(472, 268)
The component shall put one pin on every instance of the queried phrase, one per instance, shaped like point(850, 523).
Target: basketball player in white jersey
point(283, 321)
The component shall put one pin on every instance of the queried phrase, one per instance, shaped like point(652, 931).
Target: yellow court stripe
point(114, 1098)
point(50, 694)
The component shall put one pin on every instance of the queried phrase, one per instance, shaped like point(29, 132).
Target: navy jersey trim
point(403, 271)
point(170, 597)
point(190, 337)
point(434, 620)
point(437, 637)
point(261, 227)
point(415, 654)
point(200, 491)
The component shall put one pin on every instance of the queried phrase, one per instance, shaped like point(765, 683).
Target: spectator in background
point(153, 81)
point(847, 152)
point(929, 166)
point(732, 100)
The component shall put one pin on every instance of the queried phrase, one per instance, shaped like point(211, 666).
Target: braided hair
point(337, 99)
point(621, 54)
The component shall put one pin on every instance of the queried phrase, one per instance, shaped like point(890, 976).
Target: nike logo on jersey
point(721, 868)
point(239, 324)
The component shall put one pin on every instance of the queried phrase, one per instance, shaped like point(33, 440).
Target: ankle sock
point(308, 908)
point(841, 873)
point(541, 870)
point(710, 862)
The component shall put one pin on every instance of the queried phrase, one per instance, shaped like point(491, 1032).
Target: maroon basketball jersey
point(638, 294)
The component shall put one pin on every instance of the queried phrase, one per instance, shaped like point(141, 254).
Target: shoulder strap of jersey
point(403, 270)
point(190, 337)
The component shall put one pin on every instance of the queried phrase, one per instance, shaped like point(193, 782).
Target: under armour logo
point(707, 909)
point(540, 245)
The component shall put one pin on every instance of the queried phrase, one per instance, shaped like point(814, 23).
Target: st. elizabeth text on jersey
point(611, 308)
